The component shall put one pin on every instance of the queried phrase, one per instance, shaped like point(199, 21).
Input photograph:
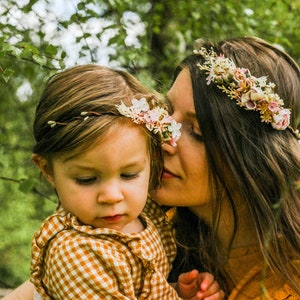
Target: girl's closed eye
point(128, 176)
point(85, 180)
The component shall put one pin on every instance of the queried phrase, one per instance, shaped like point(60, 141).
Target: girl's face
point(185, 177)
point(107, 185)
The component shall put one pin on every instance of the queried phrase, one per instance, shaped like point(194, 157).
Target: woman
point(233, 174)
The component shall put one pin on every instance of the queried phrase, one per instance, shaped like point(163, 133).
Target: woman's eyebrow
point(191, 115)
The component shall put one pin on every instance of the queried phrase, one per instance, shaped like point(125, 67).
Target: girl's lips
point(112, 219)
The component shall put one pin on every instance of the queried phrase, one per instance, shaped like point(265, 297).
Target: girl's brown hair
point(89, 88)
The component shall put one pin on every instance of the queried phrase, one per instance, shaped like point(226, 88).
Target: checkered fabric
point(75, 261)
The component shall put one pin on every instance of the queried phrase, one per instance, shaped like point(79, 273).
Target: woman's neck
point(245, 233)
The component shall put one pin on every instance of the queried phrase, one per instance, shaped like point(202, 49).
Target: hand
point(199, 286)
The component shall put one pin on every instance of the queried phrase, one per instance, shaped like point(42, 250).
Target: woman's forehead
point(180, 95)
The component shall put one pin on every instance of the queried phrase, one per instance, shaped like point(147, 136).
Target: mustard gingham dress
point(75, 261)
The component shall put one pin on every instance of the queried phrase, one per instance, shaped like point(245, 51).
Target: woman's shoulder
point(253, 286)
point(274, 293)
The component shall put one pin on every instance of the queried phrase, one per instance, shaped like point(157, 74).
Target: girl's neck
point(134, 226)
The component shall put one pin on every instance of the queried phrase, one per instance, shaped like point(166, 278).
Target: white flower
point(123, 109)
point(140, 105)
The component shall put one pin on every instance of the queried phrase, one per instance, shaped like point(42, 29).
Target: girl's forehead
point(118, 132)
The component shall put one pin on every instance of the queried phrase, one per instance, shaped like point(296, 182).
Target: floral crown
point(157, 119)
point(249, 92)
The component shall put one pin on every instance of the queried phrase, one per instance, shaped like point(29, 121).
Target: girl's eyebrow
point(80, 167)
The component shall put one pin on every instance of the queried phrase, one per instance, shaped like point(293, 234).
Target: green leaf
point(6, 74)
point(29, 47)
point(39, 59)
point(81, 6)
point(51, 49)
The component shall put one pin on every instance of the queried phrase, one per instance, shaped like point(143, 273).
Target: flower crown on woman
point(248, 91)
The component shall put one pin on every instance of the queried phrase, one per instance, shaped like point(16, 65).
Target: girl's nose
point(110, 193)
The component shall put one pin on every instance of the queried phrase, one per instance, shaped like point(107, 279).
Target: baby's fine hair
point(96, 89)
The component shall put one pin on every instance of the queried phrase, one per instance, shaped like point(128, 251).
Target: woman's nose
point(169, 149)
point(110, 193)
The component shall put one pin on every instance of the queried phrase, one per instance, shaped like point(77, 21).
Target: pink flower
point(250, 105)
point(281, 119)
point(240, 74)
point(157, 119)
point(273, 106)
point(248, 91)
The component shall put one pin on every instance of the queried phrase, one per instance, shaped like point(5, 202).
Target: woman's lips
point(168, 174)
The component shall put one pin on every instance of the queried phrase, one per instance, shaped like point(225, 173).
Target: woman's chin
point(159, 196)
point(163, 196)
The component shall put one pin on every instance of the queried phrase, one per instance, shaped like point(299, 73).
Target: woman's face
point(185, 177)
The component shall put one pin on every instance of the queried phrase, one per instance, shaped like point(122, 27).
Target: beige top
point(246, 265)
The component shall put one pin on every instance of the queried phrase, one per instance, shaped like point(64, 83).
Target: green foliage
point(22, 207)
point(147, 38)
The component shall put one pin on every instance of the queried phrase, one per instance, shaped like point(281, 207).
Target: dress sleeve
point(89, 269)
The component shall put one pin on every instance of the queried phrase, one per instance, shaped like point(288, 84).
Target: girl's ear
point(45, 168)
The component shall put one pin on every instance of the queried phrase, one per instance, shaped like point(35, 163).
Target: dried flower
point(157, 119)
point(249, 92)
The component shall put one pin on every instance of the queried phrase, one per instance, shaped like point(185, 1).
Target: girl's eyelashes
point(91, 180)
point(86, 180)
point(128, 176)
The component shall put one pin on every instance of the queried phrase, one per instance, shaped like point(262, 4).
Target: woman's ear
point(45, 168)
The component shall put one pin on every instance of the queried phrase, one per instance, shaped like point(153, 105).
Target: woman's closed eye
point(196, 133)
point(193, 131)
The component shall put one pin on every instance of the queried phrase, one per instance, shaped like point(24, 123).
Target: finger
point(188, 277)
point(220, 295)
point(205, 280)
point(212, 290)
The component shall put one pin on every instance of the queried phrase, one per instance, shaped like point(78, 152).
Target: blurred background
point(146, 38)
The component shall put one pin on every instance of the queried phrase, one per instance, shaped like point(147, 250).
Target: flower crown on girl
point(157, 119)
point(249, 92)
